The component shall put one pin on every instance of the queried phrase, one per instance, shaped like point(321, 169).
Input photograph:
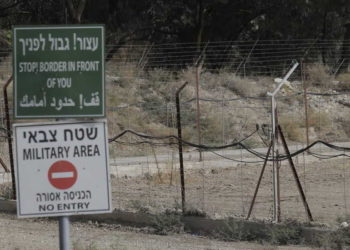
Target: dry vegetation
point(145, 101)
point(318, 76)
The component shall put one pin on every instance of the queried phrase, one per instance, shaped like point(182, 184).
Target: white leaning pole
point(275, 170)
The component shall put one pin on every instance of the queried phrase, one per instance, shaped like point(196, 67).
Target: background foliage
point(197, 23)
point(189, 21)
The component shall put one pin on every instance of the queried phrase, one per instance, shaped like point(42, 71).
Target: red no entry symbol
point(62, 174)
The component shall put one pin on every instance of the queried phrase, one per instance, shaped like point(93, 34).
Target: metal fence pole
point(259, 182)
point(305, 104)
point(295, 175)
point(198, 111)
point(9, 136)
point(179, 134)
point(275, 167)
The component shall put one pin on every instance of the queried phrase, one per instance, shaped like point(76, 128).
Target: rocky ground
point(222, 192)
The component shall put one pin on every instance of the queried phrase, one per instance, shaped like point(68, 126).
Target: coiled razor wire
point(174, 140)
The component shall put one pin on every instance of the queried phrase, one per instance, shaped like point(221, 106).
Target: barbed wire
point(157, 106)
point(250, 59)
point(239, 144)
point(253, 55)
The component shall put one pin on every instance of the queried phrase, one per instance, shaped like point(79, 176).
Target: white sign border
point(56, 214)
point(40, 27)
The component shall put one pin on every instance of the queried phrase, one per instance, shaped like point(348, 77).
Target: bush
point(344, 82)
point(159, 76)
point(241, 86)
point(6, 190)
point(138, 206)
point(318, 76)
point(293, 128)
point(191, 211)
point(293, 125)
point(337, 240)
point(244, 87)
point(236, 230)
point(287, 233)
point(167, 223)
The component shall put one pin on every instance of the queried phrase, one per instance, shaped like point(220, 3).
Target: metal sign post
point(64, 232)
point(275, 168)
point(61, 168)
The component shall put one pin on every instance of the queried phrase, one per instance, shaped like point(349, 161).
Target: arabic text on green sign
point(59, 71)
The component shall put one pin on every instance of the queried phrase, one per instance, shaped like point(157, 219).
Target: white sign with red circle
point(62, 174)
point(62, 169)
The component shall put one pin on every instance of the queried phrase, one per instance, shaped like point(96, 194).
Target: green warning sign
point(58, 71)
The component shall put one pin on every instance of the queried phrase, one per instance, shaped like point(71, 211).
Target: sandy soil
point(223, 192)
point(42, 234)
point(218, 191)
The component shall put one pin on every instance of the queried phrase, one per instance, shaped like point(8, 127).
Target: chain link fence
point(145, 172)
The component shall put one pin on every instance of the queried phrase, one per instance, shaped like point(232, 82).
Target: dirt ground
point(217, 191)
point(224, 192)
point(42, 234)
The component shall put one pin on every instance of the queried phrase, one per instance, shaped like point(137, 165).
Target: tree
point(193, 21)
point(76, 8)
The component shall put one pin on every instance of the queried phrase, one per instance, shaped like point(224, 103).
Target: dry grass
point(169, 178)
point(244, 87)
point(211, 126)
point(214, 81)
point(160, 76)
point(154, 116)
point(318, 76)
point(293, 125)
point(6, 190)
point(343, 77)
point(343, 82)
point(146, 102)
point(319, 119)
point(6, 68)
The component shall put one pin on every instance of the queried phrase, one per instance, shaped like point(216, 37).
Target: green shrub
point(138, 206)
point(167, 223)
point(286, 233)
point(337, 240)
point(6, 190)
point(191, 211)
point(289, 232)
point(235, 230)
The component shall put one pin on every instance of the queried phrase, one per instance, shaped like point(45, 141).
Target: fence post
point(9, 136)
point(179, 134)
point(305, 104)
point(198, 111)
point(295, 174)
